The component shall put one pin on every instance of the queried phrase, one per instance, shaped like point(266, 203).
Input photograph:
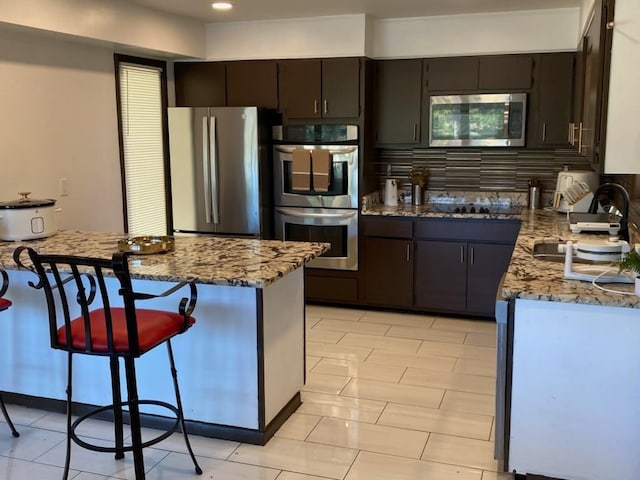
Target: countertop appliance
point(316, 189)
point(27, 219)
point(391, 192)
point(221, 179)
point(480, 120)
point(568, 179)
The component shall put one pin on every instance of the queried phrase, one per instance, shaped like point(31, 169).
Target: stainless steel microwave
point(482, 120)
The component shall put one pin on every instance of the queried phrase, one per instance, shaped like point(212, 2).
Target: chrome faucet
point(593, 208)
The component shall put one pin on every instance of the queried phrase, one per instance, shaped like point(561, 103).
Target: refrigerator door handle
point(206, 163)
point(213, 150)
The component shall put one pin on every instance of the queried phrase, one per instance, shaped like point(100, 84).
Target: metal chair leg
point(134, 420)
point(174, 375)
point(14, 432)
point(67, 461)
point(117, 407)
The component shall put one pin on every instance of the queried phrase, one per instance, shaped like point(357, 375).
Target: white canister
point(391, 192)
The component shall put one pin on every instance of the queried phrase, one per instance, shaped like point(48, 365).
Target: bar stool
point(112, 327)
point(4, 304)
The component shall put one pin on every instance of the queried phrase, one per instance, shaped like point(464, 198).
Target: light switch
point(63, 187)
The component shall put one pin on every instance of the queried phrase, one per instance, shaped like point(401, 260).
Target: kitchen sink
point(547, 250)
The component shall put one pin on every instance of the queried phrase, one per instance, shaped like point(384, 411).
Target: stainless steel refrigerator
point(221, 180)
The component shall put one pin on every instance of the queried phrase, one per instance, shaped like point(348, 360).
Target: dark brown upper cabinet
point(505, 72)
point(452, 74)
point(328, 88)
point(398, 98)
point(200, 84)
point(252, 83)
point(553, 96)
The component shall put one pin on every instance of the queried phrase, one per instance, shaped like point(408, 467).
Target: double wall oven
point(307, 209)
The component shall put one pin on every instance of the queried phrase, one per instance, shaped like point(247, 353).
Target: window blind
point(144, 175)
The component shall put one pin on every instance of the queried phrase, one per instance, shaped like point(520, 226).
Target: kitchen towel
point(301, 170)
point(321, 169)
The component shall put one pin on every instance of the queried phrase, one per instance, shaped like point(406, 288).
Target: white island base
point(575, 406)
point(240, 367)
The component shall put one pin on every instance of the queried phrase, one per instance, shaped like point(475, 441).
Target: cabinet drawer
point(503, 231)
point(389, 228)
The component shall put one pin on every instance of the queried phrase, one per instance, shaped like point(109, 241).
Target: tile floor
point(388, 397)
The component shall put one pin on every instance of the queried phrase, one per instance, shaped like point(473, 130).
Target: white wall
point(118, 22)
point(358, 35)
point(59, 121)
point(586, 6)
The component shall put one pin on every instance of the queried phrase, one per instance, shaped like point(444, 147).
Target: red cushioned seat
point(154, 327)
point(4, 304)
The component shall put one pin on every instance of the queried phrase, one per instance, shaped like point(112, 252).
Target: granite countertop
point(205, 259)
point(444, 210)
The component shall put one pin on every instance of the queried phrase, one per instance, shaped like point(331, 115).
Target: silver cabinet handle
point(461, 253)
point(408, 257)
point(415, 132)
point(325, 106)
point(206, 169)
point(315, 106)
point(213, 148)
point(580, 130)
point(571, 135)
point(544, 131)
point(472, 257)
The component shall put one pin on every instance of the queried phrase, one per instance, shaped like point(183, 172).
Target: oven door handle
point(295, 213)
point(332, 151)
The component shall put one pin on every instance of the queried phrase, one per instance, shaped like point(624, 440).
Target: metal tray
point(147, 245)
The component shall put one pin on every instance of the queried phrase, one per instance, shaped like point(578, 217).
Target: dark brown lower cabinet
point(487, 263)
point(389, 272)
point(441, 275)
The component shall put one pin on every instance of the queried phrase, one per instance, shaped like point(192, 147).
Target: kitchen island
point(568, 392)
point(241, 367)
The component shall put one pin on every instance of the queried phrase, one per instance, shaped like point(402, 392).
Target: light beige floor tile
point(298, 426)
point(400, 345)
point(469, 402)
point(496, 476)
point(397, 393)
point(374, 466)
point(311, 321)
point(312, 362)
point(298, 476)
point(202, 446)
point(460, 451)
point(12, 468)
point(391, 318)
point(476, 366)
point(350, 326)
point(435, 420)
point(432, 362)
point(21, 415)
point(461, 382)
point(349, 368)
point(493, 430)
point(179, 467)
point(347, 352)
point(102, 463)
point(321, 383)
point(324, 336)
point(456, 324)
point(426, 334)
point(299, 457)
point(370, 437)
point(92, 476)
point(481, 339)
point(456, 350)
point(88, 428)
point(347, 408)
point(320, 311)
point(31, 444)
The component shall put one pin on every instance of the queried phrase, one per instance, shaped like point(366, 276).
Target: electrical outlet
point(63, 187)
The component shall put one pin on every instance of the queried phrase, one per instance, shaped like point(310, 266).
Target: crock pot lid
point(28, 203)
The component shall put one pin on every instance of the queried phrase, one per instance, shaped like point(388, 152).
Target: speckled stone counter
point(534, 279)
point(207, 259)
point(441, 211)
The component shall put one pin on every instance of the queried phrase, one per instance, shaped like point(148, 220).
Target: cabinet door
point(200, 84)
point(505, 72)
point(299, 87)
point(340, 87)
point(441, 276)
point(388, 272)
point(554, 89)
point(452, 74)
point(486, 264)
point(252, 83)
point(398, 101)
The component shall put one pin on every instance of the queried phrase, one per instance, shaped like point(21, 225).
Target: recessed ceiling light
point(222, 6)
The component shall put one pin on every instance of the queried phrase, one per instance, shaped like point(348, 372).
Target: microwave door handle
point(206, 167)
point(505, 119)
point(213, 149)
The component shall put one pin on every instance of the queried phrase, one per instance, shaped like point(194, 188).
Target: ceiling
point(248, 10)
